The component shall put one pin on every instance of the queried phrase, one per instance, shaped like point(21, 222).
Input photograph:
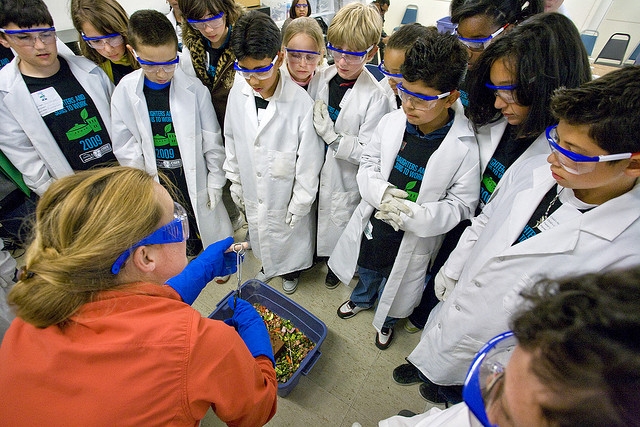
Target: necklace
point(544, 217)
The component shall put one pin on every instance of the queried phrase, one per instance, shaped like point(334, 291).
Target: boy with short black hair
point(163, 120)
point(419, 176)
point(349, 104)
point(581, 216)
point(54, 106)
point(273, 154)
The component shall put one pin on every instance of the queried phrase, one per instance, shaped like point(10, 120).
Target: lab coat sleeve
point(230, 165)
point(310, 157)
point(371, 183)
point(435, 218)
point(17, 146)
point(212, 146)
point(125, 136)
point(351, 146)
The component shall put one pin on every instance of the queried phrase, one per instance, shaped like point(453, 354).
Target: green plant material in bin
point(297, 344)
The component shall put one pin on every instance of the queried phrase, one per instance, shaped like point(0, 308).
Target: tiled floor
point(352, 379)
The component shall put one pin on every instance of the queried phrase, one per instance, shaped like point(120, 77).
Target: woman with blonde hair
point(103, 335)
point(102, 28)
point(303, 44)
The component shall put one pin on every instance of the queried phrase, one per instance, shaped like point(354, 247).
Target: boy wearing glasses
point(163, 120)
point(54, 109)
point(419, 176)
point(349, 104)
point(581, 216)
point(273, 155)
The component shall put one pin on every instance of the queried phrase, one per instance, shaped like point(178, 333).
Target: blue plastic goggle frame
point(199, 21)
point(384, 71)
point(143, 62)
point(173, 232)
point(245, 73)
point(27, 30)
point(108, 36)
point(421, 96)
point(481, 44)
point(347, 52)
point(581, 158)
point(503, 87)
point(472, 390)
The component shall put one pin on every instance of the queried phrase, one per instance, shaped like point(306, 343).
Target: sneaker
point(406, 374)
point(237, 222)
point(410, 327)
point(222, 279)
point(331, 281)
point(429, 392)
point(406, 413)
point(384, 338)
point(289, 286)
point(262, 277)
point(349, 309)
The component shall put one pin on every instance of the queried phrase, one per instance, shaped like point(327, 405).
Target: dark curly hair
point(584, 335)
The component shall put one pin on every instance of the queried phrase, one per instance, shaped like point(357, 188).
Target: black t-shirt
point(215, 54)
point(379, 252)
point(507, 152)
point(77, 127)
point(547, 206)
point(261, 103)
point(6, 55)
point(338, 87)
point(168, 157)
point(119, 71)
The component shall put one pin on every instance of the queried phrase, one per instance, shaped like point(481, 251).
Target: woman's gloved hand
point(212, 262)
point(250, 327)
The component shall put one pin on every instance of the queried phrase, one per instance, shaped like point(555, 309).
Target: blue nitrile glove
point(212, 262)
point(250, 327)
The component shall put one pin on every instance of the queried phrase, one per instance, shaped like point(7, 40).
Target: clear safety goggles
point(297, 56)
point(351, 58)
point(484, 382)
point(27, 37)
point(101, 42)
point(478, 45)
point(419, 101)
point(214, 22)
point(383, 70)
point(154, 67)
point(259, 73)
point(576, 163)
point(174, 232)
point(506, 92)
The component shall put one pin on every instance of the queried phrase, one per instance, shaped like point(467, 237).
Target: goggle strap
point(28, 30)
point(108, 36)
point(197, 21)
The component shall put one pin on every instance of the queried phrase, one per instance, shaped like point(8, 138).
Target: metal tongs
point(238, 248)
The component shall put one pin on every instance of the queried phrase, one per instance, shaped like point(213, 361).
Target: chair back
point(410, 14)
point(613, 51)
point(588, 38)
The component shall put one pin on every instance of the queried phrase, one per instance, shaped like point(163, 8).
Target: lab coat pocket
point(512, 299)
point(342, 206)
point(282, 165)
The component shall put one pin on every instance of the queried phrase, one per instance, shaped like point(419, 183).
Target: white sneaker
point(289, 286)
point(262, 277)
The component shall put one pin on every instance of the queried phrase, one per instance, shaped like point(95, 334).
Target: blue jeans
point(369, 288)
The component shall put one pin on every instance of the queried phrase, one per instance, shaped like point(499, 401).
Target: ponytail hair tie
point(23, 274)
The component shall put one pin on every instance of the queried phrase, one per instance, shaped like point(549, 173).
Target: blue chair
point(633, 58)
point(410, 15)
point(613, 51)
point(373, 69)
point(588, 38)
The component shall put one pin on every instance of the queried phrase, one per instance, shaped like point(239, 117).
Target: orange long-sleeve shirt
point(138, 356)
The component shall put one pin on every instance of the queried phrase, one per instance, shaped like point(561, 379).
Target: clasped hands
point(392, 205)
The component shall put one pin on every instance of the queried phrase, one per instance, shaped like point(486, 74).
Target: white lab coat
point(448, 194)
point(199, 140)
point(178, 28)
point(25, 138)
point(277, 162)
point(393, 104)
point(491, 271)
point(455, 416)
point(362, 108)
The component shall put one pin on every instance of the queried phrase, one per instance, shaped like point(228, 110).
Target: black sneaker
point(406, 413)
point(407, 374)
point(331, 281)
point(430, 392)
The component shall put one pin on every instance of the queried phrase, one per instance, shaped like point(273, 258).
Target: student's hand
point(291, 219)
point(236, 195)
point(392, 219)
point(215, 195)
point(393, 192)
point(443, 285)
point(213, 262)
point(250, 327)
point(323, 123)
point(395, 206)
